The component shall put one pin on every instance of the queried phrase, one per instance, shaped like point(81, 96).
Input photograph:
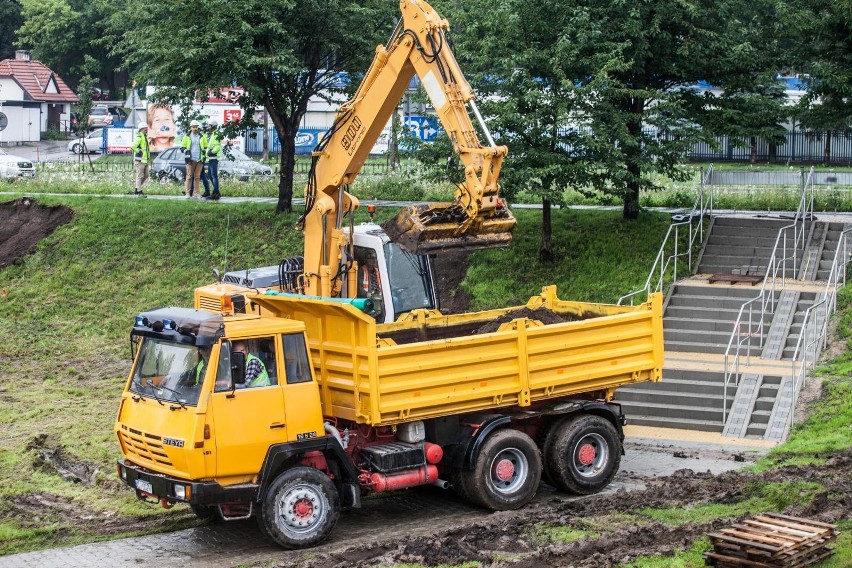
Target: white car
point(94, 142)
point(13, 167)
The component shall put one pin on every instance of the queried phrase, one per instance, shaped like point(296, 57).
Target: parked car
point(170, 165)
point(118, 115)
point(94, 142)
point(100, 116)
point(14, 167)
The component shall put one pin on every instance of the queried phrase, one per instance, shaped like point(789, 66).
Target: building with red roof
point(32, 99)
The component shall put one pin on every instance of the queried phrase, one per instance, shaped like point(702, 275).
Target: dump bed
point(430, 365)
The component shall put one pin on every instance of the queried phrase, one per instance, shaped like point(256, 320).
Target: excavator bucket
point(435, 227)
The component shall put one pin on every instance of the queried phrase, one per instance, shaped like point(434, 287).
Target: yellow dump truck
point(297, 407)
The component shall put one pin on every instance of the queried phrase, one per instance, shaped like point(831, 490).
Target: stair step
point(683, 423)
point(707, 412)
point(671, 397)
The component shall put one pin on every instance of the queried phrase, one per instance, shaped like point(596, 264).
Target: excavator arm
point(477, 218)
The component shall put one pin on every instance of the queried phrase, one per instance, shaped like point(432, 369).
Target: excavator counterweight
point(434, 227)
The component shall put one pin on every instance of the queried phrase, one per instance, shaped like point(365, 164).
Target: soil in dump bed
point(544, 315)
point(23, 223)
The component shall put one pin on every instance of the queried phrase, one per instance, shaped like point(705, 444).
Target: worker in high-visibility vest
point(211, 170)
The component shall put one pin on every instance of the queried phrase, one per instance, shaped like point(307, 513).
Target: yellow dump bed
point(432, 365)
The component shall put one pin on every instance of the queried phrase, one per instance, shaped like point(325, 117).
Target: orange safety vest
point(365, 282)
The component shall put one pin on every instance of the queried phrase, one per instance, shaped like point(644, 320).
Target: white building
point(32, 99)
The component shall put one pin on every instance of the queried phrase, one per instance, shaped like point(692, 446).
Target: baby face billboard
point(162, 129)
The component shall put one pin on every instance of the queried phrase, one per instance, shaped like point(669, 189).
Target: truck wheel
point(584, 454)
point(507, 472)
point(300, 508)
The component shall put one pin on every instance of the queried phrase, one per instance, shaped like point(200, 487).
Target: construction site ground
point(431, 526)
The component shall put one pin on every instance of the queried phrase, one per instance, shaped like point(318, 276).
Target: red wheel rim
point(505, 470)
point(586, 454)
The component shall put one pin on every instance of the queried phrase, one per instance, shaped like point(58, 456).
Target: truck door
point(301, 392)
point(247, 419)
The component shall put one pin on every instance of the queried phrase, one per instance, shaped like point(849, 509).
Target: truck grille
point(144, 446)
point(214, 304)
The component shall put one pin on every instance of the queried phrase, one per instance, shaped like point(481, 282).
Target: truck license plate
point(145, 486)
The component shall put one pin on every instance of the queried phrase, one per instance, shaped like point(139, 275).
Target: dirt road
point(426, 525)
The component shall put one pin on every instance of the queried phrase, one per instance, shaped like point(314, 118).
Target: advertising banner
point(118, 140)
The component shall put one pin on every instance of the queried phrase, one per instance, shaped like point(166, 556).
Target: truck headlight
point(183, 492)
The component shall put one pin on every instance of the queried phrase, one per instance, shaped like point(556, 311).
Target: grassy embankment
point(66, 311)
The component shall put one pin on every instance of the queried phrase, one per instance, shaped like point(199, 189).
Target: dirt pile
point(450, 269)
point(543, 315)
point(514, 538)
point(23, 223)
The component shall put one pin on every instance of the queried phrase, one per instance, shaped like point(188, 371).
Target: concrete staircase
point(699, 319)
point(736, 244)
point(685, 399)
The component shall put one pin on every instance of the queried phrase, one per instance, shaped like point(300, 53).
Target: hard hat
point(213, 124)
point(194, 123)
point(143, 125)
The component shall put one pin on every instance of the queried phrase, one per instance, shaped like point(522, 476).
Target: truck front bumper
point(148, 483)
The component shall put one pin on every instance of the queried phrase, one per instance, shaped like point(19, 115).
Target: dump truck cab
point(192, 426)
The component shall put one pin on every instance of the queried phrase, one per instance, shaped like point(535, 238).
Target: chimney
point(22, 55)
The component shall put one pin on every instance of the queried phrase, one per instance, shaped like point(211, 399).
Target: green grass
point(689, 558)
point(600, 257)
point(761, 498)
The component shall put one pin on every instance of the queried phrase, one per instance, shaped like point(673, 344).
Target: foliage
point(84, 107)
point(271, 49)
point(820, 38)
point(68, 35)
point(576, 86)
point(10, 20)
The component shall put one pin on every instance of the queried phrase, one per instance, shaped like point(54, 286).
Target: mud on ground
point(24, 223)
point(514, 538)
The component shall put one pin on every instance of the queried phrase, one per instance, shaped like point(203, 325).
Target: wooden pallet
point(771, 541)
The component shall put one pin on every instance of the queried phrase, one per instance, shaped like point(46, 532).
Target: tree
point(281, 53)
point(820, 43)
point(68, 36)
point(616, 77)
point(10, 20)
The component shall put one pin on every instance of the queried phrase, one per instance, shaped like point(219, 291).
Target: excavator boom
point(477, 218)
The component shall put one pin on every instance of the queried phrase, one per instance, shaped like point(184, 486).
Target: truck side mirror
point(238, 368)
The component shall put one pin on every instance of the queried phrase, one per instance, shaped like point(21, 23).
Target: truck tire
point(507, 472)
point(583, 454)
point(300, 508)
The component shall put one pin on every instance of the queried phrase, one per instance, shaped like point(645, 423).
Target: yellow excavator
point(478, 218)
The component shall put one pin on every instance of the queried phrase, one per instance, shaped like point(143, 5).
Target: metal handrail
point(665, 260)
point(808, 348)
point(766, 295)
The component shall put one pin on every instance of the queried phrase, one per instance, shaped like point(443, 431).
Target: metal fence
point(798, 147)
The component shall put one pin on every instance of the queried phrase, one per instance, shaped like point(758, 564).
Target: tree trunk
point(773, 153)
point(287, 161)
point(634, 127)
point(545, 250)
point(753, 154)
point(826, 150)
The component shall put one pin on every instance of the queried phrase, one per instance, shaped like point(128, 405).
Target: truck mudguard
point(278, 455)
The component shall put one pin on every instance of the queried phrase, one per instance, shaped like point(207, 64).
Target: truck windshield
point(410, 280)
point(169, 372)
